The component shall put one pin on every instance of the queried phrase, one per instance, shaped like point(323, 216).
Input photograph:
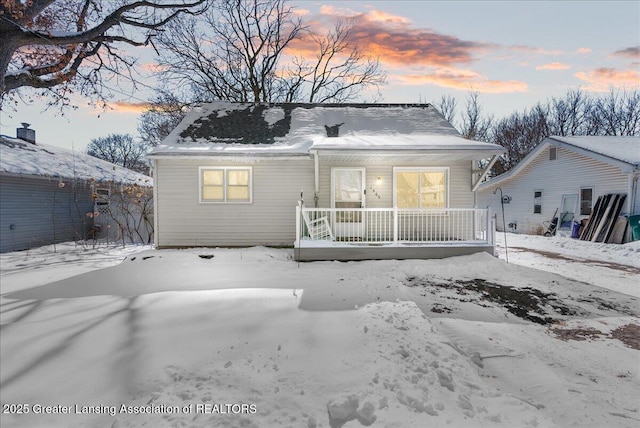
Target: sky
point(513, 54)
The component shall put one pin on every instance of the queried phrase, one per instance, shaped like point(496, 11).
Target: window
point(421, 187)
point(225, 184)
point(537, 202)
point(101, 196)
point(586, 200)
point(553, 153)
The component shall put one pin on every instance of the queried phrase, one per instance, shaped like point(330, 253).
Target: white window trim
point(553, 157)
point(225, 169)
point(397, 169)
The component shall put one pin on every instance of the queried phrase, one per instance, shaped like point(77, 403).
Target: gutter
point(156, 231)
point(316, 169)
point(632, 192)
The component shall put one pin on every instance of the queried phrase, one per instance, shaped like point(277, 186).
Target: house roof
point(19, 157)
point(624, 149)
point(224, 128)
point(621, 152)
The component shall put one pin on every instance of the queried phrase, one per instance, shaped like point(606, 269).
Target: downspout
point(154, 169)
point(632, 190)
point(316, 169)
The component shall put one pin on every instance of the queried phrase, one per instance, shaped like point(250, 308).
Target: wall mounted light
point(378, 180)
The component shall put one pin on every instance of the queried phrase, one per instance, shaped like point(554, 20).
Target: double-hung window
point(226, 184)
point(537, 201)
point(586, 200)
point(421, 187)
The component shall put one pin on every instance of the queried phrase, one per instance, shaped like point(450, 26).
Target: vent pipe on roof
point(26, 134)
point(333, 131)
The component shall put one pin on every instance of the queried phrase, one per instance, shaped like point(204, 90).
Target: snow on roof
point(273, 129)
point(623, 152)
point(625, 149)
point(23, 158)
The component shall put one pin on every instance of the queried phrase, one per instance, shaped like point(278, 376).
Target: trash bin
point(634, 224)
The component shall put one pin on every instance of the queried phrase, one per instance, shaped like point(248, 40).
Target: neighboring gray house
point(566, 174)
point(49, 194)
point(377, 181)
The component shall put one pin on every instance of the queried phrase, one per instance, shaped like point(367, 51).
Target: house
point(337, 181)
point(563, 177)
point(49, 194)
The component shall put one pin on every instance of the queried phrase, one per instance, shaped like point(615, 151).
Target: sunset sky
point(513, 54)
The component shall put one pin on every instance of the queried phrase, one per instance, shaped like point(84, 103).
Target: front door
point(347, 192)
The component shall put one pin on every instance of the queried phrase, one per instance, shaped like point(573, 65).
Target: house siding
point(36, 212)
point(564, 176)
point(270, 219)
point(381, 195)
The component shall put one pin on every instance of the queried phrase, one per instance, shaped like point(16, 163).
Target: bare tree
point(234, 54)
point(338, 72)
point(70, 45)
point(519, 134)
point(120, 149)
point(243, 50)
point(447, 107)
point(568, 115)
point(165, 114)
point(618, 113)
point(475, 126)
point(575, 114)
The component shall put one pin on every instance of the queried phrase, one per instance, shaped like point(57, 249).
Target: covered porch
point(391, 233)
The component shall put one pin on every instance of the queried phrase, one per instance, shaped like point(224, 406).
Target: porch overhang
point(433, 147)
point(448, 155)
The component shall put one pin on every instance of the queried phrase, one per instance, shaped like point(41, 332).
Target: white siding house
point(383, 179)
point(565, 175)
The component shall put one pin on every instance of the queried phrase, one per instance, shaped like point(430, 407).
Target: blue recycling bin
point(575, 232)
point(634, 224)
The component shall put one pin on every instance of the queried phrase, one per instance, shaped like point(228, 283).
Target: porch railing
point(397, 225)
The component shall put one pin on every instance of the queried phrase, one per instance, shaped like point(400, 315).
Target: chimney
point(26, 134)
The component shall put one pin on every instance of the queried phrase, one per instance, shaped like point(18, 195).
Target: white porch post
point(491, 228)
point(298, 225)
point(395, 225)
point(316, 169)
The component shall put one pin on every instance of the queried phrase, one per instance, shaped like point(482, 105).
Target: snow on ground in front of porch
point(323, 344)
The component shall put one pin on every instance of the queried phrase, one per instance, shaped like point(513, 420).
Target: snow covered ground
point(250, 338)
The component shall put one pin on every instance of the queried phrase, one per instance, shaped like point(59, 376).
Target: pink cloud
point(534, 50)
point(394, 41)
point(602, 79)
point(129, 107)
point(584, 50)
point(464, 80)
point(554, 66)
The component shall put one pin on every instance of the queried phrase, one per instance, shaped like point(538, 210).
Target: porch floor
point(317, 250)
